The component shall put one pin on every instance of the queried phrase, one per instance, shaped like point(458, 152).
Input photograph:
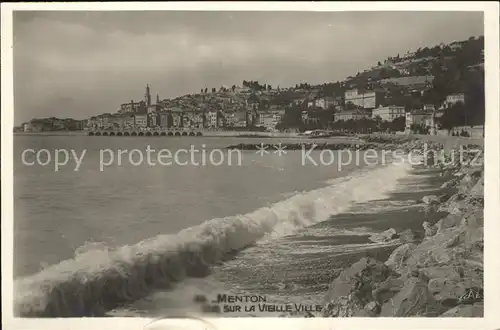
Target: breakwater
point(407, 146)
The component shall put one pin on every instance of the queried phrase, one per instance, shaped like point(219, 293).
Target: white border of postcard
point(491, 319)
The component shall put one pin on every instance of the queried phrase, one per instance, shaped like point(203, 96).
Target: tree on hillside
point(419, 129)
point(398, 124)
point(350, 106)
point(292, 117)
point(475, 98)
point(454, 116)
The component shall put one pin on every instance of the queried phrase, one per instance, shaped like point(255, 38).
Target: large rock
point(407, 236)
point(474, 239)
point(436, 249)
point(384, 236)
point(478, 188)
point(414, 299)
point(447, 291)
point(387, 289)
point(429, 230)
point(353, 288)
point(451, 220)
point(456, 204)
point(475, 310)
point(430, 199)
point(449, 184)
point(445, 272)
point(469, 180)
point(446, 283)
point(399, 255)
point(345, 306)
point(372, 309)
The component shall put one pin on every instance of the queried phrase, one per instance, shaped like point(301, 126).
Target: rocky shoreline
point(440, 274)
point(437, 274)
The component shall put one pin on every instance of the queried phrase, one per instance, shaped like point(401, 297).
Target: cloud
point(101, 59)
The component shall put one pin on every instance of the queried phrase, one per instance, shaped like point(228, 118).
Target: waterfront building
point(131, 107)
point(176, 116)
point(313, 117)
point(298, 101)
point(428, 107)
point(236, 119)
point(35, 126)
point(128, 121)
point(279, 115)
point(141, 120)
point(304, 116)
point(354, 114)
point(424, 118)
point(114, 121)
point(366, 100)
point(252, 118)
point(154, 108)
point(198, 118)
point(57, 124)
point(176, 119)
point(103, 120)
point(267, 120)
point(92, 122)
point(166, 120)
point(221, 120)
point(252, 102)
point(212, 119)
point(454, 99)
point(154, 119)
point(339, 102)
point(270, 118)
point(121, 121)
point(325, 102)
point(388, 113)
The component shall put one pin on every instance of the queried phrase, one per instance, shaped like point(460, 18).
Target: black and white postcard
point(250, 164)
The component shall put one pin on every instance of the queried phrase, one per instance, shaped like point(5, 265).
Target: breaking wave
point(99, 279)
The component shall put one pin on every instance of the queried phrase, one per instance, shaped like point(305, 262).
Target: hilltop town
point(427, 91)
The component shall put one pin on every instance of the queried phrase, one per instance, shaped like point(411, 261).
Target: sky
point(76, 64)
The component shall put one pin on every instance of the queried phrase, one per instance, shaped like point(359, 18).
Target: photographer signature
point(471, 296)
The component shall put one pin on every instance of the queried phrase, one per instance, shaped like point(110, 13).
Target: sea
point(270, 223)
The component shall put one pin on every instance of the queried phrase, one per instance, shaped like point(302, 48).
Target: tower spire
point(147, 96)
point(157, 98)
